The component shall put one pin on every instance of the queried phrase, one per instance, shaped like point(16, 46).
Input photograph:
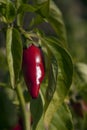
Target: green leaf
point(26, 8)
point(56, 20)
point(43, 9)
point(9, 55)
point(3, 13)
point(35, 8)
point(62, 119)
point(40, 125)
point(81, 70)
point(56, 40)
point(10, 12)
point(36, 107)
point(18, 3)
point(16, 53)
point(54, 17)
point(36, 21)
point(64, 61)
point(52, 77)
point(3, 1)
point(65, 72)
point(20, 17)
point(23, 8)
point(80, 80)
point(2, 10)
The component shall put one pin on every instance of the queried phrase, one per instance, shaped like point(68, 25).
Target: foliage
point(50, 106)
point(75, 17)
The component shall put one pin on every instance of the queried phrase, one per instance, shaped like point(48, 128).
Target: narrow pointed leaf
point(9, 55)
point(16, 53)
point(52, 78)
point(40, 125)
point(65, 71)
point(36, 107)
point(56, 20)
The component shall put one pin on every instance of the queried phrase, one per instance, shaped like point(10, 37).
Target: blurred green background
point(75, 18)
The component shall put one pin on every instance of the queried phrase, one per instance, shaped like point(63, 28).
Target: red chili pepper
point(17, 127)
point(33, 69)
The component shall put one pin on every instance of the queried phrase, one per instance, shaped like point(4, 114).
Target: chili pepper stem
point(25, 112)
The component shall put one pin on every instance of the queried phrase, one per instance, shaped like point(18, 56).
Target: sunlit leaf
point(40, 125)
point(81, 70)
point(62, 119)
point(80, 79)
point(65, 71)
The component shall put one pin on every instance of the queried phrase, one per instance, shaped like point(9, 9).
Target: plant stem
point(25, 112)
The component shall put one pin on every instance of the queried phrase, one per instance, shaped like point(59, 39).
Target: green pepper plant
point(36, 70)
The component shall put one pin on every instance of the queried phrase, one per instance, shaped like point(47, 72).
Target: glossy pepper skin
point(33, 69)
